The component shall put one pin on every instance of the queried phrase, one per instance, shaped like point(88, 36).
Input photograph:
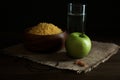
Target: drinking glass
point(76, 17)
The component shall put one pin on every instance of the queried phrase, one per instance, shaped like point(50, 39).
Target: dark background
point(102, 16)
point(102, 22)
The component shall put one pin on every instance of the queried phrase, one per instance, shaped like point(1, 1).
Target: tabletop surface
point(15, 68)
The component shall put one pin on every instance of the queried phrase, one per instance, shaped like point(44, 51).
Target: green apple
point(78, 45)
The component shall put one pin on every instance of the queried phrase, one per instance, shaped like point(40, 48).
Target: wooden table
point(13, 68)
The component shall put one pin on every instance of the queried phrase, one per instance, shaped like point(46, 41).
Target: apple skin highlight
point(78, 45)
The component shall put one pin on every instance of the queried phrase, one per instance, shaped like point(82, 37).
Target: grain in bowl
point(45, 29)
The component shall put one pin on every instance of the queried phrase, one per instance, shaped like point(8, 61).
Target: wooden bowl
point(44, 43)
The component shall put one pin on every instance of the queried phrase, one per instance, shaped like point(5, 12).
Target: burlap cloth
point(100, 52)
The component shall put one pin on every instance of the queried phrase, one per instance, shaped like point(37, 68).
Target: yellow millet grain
point(45, 29)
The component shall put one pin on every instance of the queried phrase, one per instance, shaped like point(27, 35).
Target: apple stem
point(83, 32)
point(82, 35)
